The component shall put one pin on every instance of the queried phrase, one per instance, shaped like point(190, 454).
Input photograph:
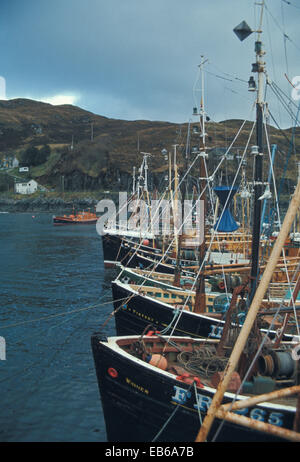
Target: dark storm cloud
point(138, 58)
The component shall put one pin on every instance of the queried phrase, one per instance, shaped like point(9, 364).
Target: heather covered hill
point(92, 152)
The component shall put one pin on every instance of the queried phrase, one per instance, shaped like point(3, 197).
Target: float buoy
point(158, 361)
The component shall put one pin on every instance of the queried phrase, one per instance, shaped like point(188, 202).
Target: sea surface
point(54, 293)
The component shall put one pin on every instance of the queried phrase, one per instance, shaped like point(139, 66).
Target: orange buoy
point(158, 361)
point(146, 242)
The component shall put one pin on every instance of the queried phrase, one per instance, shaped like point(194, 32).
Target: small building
point(23, 169)
point(28, 187)
point(9, 162)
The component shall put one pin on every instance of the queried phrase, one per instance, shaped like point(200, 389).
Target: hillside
point(107, 160)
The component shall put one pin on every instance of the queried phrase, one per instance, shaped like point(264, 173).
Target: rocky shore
point(46, 204)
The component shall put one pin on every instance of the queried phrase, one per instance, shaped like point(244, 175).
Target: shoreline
point(56, 204)
point(46, 204)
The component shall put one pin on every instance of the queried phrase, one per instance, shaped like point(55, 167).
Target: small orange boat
point(81, 218)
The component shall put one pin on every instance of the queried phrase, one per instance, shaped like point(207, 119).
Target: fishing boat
point(120, 248)
point(141, 254)
point(229, 245)
point(137, 247)
point(147, 296)
point(117, 237)
point(200, 313)
point(240, 388)
point(173, 310)
point(240, 385)
point(219, 279)
point(142, 298)
point(154, 389)
point(80, 218)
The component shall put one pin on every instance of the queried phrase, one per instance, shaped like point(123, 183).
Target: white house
point(23, 169)
point(26, 188)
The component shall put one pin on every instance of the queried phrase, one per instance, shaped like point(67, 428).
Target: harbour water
point(54, 294)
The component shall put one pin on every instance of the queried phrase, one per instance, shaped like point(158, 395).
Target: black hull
point(139, 401)
point(113, 251)
point(139, 312)
point(61, 222)
point(145, 262)
point(118, 250)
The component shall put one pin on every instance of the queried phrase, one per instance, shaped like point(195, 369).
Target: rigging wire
point(178, 187)
point(280, 28)
point(155, 264)
point(177, 406)
point(214, 231)
point(290, 100)
point(283, 102)
point(279, 219)
point(291, 144)
point(272, 58)
point(287, 2)
point(41, 376)
point(232, 76)
point(51, 316)
point(284, 41)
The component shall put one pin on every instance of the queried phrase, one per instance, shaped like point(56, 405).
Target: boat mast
point(257, 150)
point(146, 190)
point(200, 298)
point(175, 200)
point(177, 219)
point(133, 181)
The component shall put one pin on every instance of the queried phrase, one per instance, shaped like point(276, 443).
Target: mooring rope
point(45, 318)
point(169, 418)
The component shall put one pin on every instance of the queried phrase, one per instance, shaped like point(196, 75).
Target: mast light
point(251, 84)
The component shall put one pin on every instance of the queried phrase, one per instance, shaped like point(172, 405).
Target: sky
point(139, 59)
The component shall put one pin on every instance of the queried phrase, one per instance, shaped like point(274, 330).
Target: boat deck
point(196, 361)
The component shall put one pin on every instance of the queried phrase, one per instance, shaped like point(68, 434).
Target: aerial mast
point(200, 298)
point(259, 68)
point(243, 31)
